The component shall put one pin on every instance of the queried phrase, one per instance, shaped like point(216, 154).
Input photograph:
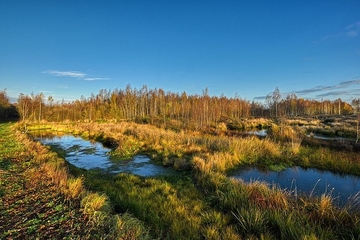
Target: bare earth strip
point(31, 207)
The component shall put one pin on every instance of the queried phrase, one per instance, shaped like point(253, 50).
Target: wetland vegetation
point(202, 139)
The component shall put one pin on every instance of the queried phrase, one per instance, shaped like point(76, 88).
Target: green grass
point(172, 207)
point(331, 160)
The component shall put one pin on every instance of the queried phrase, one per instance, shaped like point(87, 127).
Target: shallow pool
point(88, 155)
point(305, 181)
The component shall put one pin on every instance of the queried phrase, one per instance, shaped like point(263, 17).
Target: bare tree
point(356, 105)
point(276, 96)
point(39, 98)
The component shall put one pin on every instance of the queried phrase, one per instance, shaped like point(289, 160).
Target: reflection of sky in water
point(305, 181)
point(317, 136)
point(261, 133)
point(93, 155)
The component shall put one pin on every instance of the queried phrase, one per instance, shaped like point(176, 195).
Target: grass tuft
point(251, 222)
point(94, 202)
point(74, 188)
point(130, 228)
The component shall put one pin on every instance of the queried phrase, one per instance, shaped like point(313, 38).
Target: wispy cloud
point(353, 30)
point(95, 79)
point(311, 90)
point(340, 85)
point(328, 37)
point(355, 92)
point(260, 98)
point(333, 93)
point(73, 74)
point(341, 89)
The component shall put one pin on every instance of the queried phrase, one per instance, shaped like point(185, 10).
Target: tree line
point(8, 111)
point(291, 105)
point(157, 106)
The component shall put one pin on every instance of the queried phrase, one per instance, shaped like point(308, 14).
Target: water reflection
point(308, 181)
point(93, 155)
point(259, 133)
point(329, 138)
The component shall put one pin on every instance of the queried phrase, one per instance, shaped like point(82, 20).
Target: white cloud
point(73, 74)
point(95, 79)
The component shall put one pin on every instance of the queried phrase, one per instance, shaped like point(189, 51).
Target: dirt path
point(31, 207)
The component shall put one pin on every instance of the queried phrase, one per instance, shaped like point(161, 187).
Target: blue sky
point(67, 49)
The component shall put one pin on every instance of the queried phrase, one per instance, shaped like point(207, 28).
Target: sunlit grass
point(40, 163)
point(74, 188)
point(206, 203)
point(173, 207)
point(98, 208)
point(326, 159)
point(130, 228)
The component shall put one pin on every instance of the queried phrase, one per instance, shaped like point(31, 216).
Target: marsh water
point(92, 155)
point(312, 182)
point(259, 133)
point(264, 133)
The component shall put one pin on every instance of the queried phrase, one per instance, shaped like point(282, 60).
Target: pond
point(88, 155)
point(310, 181)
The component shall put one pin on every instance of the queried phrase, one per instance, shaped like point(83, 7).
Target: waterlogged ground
point(93, 155)
point(310, 181)
point(209, 205)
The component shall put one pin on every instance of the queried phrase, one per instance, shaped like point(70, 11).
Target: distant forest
point(157, 106)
